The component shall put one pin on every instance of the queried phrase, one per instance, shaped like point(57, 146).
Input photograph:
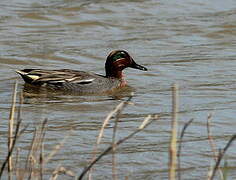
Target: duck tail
point(26, 75)
point(21, 72)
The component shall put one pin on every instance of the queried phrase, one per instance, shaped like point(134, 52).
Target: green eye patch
point(118, 56)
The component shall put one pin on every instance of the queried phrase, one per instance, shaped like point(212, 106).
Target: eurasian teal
point(81, 81)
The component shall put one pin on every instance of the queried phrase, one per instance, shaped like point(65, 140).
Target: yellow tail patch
point(33, 77)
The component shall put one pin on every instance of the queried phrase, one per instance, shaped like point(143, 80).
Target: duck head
point(118, 60)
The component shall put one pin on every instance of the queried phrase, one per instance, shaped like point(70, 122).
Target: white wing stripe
point(80, 81)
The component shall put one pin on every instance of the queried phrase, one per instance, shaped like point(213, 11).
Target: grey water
point(191, 43)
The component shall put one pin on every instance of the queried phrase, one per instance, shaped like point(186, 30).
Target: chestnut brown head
point(117, 61)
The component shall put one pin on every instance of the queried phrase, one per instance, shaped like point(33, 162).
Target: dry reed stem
point(10, 127)
point(12, 138)
point(36, 156)
point(55, 173)
point(109, 116)
point(221, 155)
point(16, 135)
point(105, 122)
point(148, 120)
point(180, 146)
point(41, 160)
point(114, 164)
point(212, 144)
point(33, 158)
point(21, 131)
point(40, 147)
point(118, 108)
point(28, 163)
point(57, 148)
point(61, 170)
point(173, 140)
point(209, 174)
point(210, 138)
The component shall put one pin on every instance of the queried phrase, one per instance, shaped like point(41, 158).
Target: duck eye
point(118, 55)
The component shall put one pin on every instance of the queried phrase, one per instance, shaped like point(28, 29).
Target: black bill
point(137, 66)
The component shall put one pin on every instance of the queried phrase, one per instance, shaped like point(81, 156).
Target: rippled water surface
point(191, 43)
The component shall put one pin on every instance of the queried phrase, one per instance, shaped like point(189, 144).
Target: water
point(187, 42)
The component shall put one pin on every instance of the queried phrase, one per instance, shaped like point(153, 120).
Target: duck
point(82, 81)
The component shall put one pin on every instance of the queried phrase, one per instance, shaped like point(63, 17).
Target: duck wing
point(40, 76)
